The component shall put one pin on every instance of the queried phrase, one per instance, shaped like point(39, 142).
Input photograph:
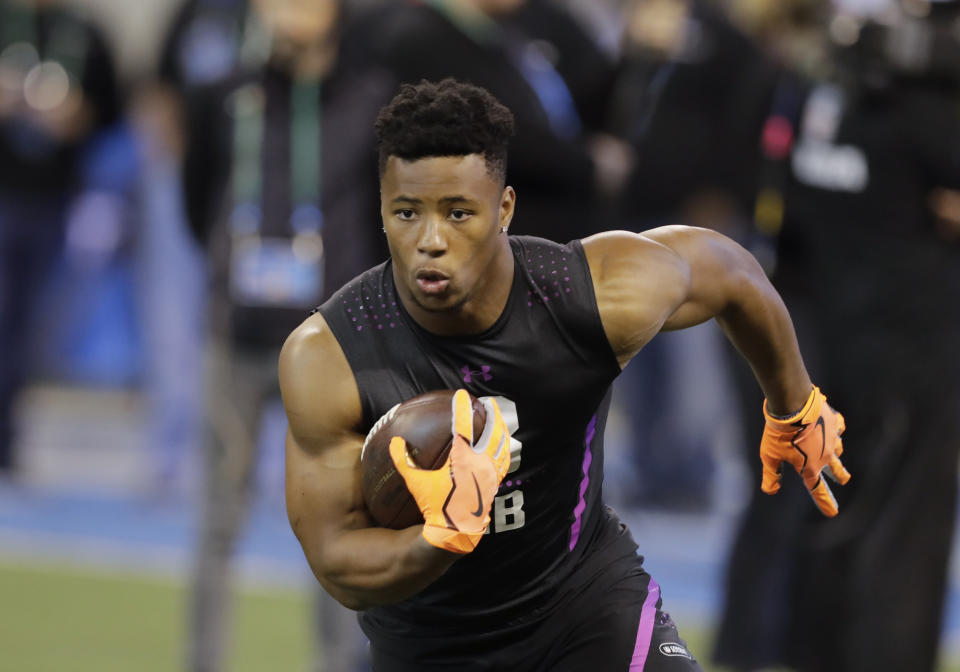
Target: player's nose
point(431, 240)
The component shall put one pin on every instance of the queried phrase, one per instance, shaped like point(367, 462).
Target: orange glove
point(810, 441)
point(455, 499)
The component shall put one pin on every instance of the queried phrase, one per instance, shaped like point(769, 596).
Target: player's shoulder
point(611, 254)
point(316, 381)
point(310, 349)
point(638, 281)
point(373, 282)
point(534, 252)
point(525, 242)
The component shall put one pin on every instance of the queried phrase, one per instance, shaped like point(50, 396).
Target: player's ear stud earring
point(503, 229)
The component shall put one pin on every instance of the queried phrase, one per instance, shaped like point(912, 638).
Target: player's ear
point(508, 201)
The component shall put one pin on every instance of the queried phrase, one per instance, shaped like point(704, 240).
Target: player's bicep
point(323, 491)
point(716, 267)
point(639, 284)
point(323, 408)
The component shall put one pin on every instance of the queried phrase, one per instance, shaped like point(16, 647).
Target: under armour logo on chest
point(470, 375)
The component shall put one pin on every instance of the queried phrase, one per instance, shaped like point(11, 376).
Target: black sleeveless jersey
point(546, 357)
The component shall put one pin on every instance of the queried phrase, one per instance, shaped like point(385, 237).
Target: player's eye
point(404, 214)
point(460, 215)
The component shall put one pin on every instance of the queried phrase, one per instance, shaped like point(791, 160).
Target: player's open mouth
point(432, 282)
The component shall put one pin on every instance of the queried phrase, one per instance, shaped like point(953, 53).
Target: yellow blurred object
point(768, 212)
point(658, 25)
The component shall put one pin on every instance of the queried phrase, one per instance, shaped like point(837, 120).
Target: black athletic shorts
point(611, 625)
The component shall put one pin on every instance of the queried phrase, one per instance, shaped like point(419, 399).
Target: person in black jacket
point(690, 95)
point(866, 592)
point(58, 89)
point(280, 183)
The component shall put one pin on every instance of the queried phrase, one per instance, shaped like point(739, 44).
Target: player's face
point(443, 218)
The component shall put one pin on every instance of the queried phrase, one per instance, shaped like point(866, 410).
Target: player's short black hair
point(446, 118)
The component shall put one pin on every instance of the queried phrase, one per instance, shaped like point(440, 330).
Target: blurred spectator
point(587, 70)
point(686, 97)
point(57, 90)
point(602, 19)
point(560, 171)
point(863, 259)
point(945, 204)
point(204, 43)
point(201, 46)
point(281, 188)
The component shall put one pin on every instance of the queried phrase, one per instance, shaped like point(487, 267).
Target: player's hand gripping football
point(455, 499)
point(810, 441)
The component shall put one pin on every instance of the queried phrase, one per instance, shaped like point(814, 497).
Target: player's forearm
point(372, 566)
point(757, 322)
point(727, 283)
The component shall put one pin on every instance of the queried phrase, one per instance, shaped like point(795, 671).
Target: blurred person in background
point(690, 95)
point(201, 46)
point(859, 187)
point(204, 43)
point(587, 69)
point(281, 189)
point(521, 51)
point(678, 98)
point(57, 90)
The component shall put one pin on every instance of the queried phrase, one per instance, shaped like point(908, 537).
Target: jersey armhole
point(596, 322)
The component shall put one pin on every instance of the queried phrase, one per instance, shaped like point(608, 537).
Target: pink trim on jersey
point(584, 484)
point(645, 630)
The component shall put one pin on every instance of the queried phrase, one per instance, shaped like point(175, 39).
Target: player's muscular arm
point(675, 277)
point(359, 565)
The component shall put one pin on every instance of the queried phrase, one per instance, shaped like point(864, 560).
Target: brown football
point(425, 422)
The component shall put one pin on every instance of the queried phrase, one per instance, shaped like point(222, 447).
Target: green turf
point(61, 619)
point(700, 642)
